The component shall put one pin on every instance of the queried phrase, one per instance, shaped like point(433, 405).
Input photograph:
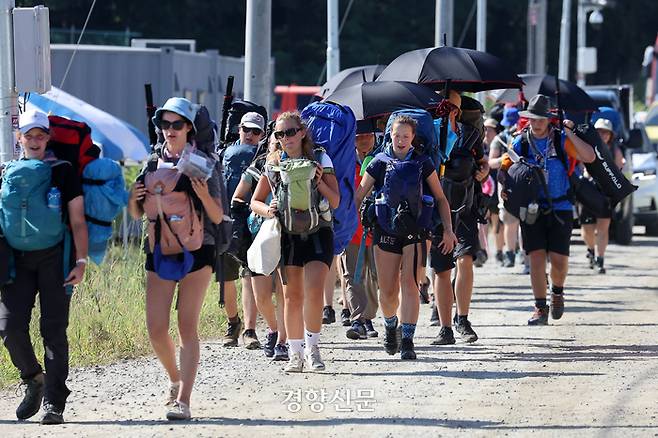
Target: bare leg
point(262, 286)
point(464, 284)
point(388, 274)
point(538, 273)
point(330, 285)
point(410, 303)
point(589, 237)
point(315, 274)
point(559, 268)
point(159, 296)
point(249, 309)
point(293, 293)
point(230, 299)
point(602, 236)
point(444, 297)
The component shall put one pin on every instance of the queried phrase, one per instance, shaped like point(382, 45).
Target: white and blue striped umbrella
point(117, 139)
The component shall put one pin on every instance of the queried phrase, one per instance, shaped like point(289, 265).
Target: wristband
point(81, 262)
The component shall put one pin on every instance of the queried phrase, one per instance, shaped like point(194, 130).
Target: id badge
point(545, 172)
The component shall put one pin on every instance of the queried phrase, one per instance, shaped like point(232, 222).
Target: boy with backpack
point(549, 235)
point(235, 160)
point(40, 199)
point(466, 167)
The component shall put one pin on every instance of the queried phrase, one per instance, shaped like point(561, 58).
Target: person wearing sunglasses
point(306, 258)
point(175, 120)
point(235, 159)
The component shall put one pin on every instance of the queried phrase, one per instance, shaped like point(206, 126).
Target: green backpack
point(302, 210)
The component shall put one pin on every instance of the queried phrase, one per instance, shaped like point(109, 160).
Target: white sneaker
point(313, 359)
point(172, 394)
point(179, 411)
point(296, 364)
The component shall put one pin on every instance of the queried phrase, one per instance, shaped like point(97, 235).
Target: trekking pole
point(150, 112)
point(228, 100)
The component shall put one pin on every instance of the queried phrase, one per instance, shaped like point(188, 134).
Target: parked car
point(645, 199)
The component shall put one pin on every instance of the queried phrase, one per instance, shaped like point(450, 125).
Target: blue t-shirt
point(557, 178)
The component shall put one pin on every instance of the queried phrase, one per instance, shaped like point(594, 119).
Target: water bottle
point(54, 199)
point(533, 212)
point(325, 212)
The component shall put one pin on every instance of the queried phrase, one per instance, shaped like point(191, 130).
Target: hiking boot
point(499, 257)
point(540, 317)
point(52, 414)
point(508, 262)
point(599, 265)
point(357, 331)
point(424, 291)
point(557, 305)
point(328, 315)
point(345, 317)
point(296, 364)
point(526, 269)
point(445, 337)
point(392, 340)
point(281, 352)
point(172, 393)
point(313, 359)
point(407, 349)
point(370, 330)
point(232, 333)
point(434, 319)
point(33, 397)
point(250, 340)
point(179, 412)
point(270, 343)
point(466, 331)
point(480, 258)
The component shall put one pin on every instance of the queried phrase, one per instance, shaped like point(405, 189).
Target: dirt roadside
point(592, 373)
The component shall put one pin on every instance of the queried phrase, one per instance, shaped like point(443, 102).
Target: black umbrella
point(351, 76)
point(374, 99)
point(573, 98)
point(466, 69)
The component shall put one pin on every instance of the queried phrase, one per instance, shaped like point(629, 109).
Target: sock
point(296, 345)
point(311, 338)
point(557, 290)
point(408, 330)
point(461, 319)
point(540, 302)
point(391, 322)
point(234, 319)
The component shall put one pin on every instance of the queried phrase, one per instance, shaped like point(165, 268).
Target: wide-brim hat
point(538, 108)
point(180, 106)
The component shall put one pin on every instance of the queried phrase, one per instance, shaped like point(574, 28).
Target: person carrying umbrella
point(550, 234)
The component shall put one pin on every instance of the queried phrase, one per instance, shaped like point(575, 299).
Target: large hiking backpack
point(236, 158)
point(238, 109)
point(400, 207)
point(104, 190)
point(27, 222)
point(302, 209)
point(426, 140)
point(333, 128)
point(71, 141)
point(105, 195)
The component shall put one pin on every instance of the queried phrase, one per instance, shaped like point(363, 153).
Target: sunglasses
point(176, 126)
point(255, 131)
point(287, 133)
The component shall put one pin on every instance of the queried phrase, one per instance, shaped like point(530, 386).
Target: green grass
point(107, 318)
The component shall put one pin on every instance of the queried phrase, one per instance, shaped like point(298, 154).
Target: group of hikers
point(412, 212)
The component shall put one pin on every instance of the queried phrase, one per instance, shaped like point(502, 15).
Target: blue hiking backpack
point(426, 141)
point(105, 195)
point(26, 221)
point(236, 158)
point(333, 128)
point(400, 206)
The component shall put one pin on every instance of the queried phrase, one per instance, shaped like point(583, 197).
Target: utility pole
point(530, 37)
point(333, 48)
point(8, 94)
point(540, 37)
point(258, 47)
point(581, 41)
point(481, 42)
point(443, 22)
point(565, 38)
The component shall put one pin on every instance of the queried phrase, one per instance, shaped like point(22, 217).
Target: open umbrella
point(573, 98)
point(465, 69)
point(351, 76)
point(374, 99)
point(117, 139)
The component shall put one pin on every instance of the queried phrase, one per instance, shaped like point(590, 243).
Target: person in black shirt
point(42, 272)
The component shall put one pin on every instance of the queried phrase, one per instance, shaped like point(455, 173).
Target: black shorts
point(204, 256)
point(548, 233)
point(316, 247)
point(468, 243)
point(587, 217)
point(390, 243)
